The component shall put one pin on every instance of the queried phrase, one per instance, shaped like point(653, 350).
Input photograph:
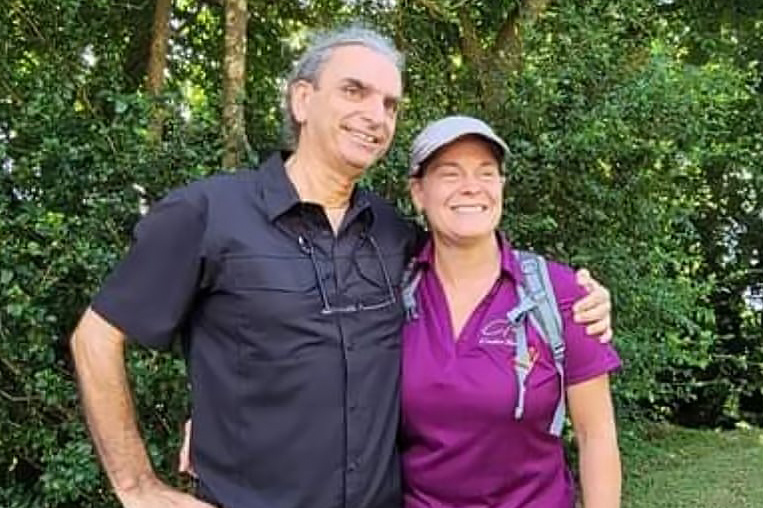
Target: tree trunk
point(234, 83)
point(157, 64)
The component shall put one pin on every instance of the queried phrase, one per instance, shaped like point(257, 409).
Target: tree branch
point(32, 24)
point(508, 40)
point(15, 398)
point(470, 42)
point(435, 8)
point(508, 33)
point(15, 97)
point(534, 8)
point(16, 371)
point(507, 45)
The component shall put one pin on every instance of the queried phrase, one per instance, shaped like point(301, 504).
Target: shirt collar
point(279, 194)
point(509, 263)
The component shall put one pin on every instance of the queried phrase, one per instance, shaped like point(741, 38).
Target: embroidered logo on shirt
point(498, 332)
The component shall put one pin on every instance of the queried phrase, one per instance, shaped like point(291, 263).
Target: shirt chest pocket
point(277, 305)
point(269, 274)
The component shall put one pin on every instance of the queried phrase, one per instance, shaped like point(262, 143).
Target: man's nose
point(375, 110)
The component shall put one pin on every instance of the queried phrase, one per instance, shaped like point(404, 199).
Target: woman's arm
point(593, 420)
point(184, 455)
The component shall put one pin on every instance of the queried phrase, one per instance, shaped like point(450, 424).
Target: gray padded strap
point(522, 353)
point(526, 304)
point(546, 318)
point(411, 280)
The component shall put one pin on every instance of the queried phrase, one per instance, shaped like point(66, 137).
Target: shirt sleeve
point(585, 357)
point(149, 293)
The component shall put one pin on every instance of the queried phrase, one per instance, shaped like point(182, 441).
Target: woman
point(464, 443)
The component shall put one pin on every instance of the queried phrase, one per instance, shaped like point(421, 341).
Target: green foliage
point(601, 179)
point(636, 151)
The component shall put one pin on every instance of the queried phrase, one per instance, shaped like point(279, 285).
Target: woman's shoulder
point(563, 278)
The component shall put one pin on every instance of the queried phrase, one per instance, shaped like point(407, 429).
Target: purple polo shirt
point(461, 444)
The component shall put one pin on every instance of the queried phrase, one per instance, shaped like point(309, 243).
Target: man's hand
point(184, 456)
point(155, 494)
point(595, 308)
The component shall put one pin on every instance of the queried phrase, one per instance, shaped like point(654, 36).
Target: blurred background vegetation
point(637, 152)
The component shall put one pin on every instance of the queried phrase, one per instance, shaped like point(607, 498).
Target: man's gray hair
point(310, 64)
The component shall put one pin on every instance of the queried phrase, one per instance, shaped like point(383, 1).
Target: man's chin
point(361, 164)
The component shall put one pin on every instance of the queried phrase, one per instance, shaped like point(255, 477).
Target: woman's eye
point(489, 175)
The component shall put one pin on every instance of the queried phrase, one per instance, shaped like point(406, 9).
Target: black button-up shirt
point(292, 332)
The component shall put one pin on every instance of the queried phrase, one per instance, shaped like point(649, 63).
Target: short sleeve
point(149, 293)
point(585, 357)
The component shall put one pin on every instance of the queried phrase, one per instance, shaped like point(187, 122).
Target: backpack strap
point(522, 361)
point(538, 301)
point(411, 280)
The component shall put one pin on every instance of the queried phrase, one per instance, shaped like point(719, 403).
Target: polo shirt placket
point(334, 254)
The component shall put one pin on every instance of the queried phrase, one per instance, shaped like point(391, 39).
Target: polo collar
point(509, 263)
point(279, 195)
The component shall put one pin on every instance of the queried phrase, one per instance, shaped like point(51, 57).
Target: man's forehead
point(366, 66)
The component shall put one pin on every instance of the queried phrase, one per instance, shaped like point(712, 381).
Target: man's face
point(348, 117)
point(461, 190)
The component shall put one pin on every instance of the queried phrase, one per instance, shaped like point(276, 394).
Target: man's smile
point(363, 137)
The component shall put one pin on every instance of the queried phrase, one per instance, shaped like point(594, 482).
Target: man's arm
point(98, 352)
point(593, 420)
point(595, 309)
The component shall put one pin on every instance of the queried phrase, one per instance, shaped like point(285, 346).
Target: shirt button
point(349, 346)
point(353, 466)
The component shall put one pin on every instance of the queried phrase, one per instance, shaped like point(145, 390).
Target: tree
point(234, 93)
point(157, 63)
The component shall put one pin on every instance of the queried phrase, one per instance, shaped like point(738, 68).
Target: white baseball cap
point(446, 130)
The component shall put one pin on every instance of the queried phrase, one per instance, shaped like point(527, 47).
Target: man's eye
point(391, 106)
point(352, 91)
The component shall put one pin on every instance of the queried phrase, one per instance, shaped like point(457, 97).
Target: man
point(284, 283)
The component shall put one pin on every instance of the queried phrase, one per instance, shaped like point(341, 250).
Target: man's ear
point(301, 93)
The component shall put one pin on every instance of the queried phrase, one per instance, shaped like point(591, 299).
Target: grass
point(673, 467)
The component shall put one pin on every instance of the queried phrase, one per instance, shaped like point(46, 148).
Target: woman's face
point(461, 191)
